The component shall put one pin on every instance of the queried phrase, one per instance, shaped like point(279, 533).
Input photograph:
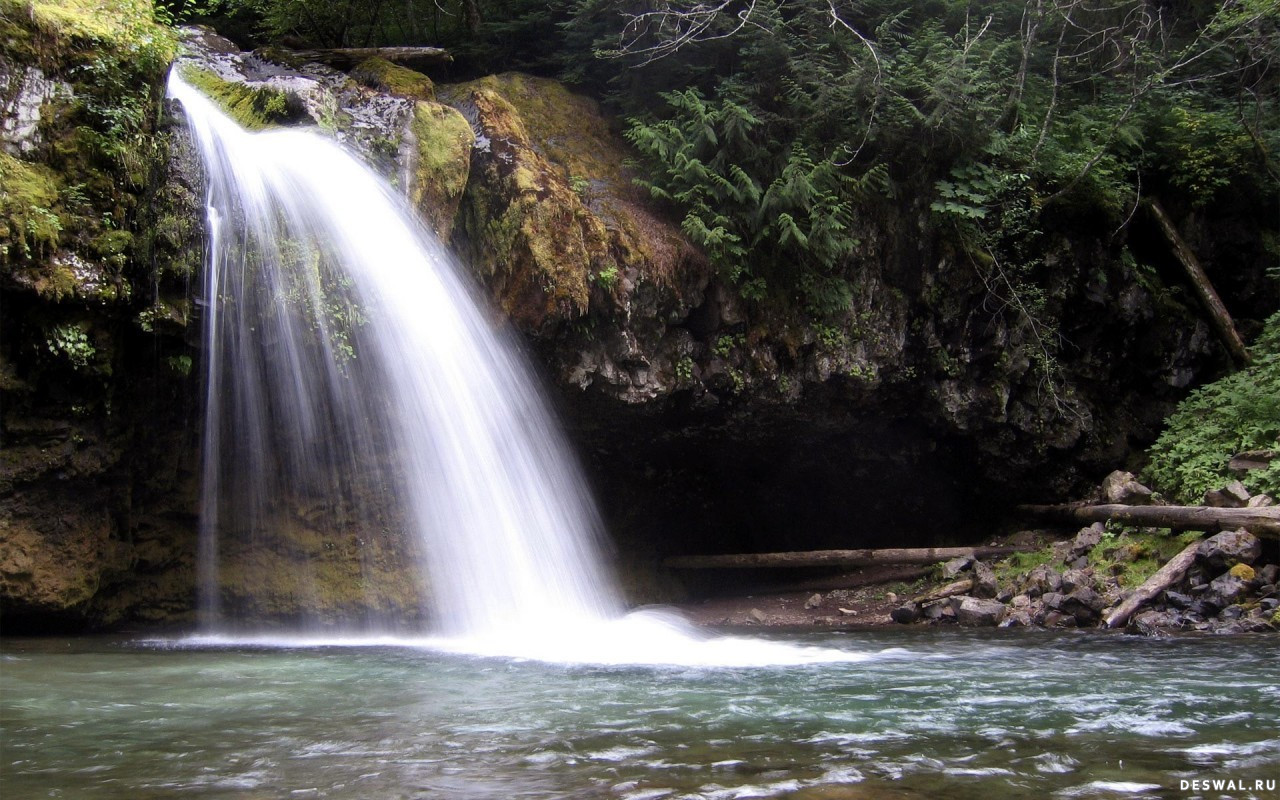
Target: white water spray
point(346, 359)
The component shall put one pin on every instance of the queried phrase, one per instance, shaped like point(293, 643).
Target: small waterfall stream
point(347, 362)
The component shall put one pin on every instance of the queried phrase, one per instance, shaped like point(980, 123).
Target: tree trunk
point(1195, 518)
point(838, 558)
point(1165, 577)
point(1218, 314)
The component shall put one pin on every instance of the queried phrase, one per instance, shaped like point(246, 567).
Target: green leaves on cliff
point(1234, 414)
point(759, 214)
point(1090, 105)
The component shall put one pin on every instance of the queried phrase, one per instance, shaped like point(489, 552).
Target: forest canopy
point(769, 126)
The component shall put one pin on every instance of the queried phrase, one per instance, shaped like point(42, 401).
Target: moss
point(1134, 554)
point(444, 140)
point(113, 245)
point(254, 107)
point(125, 23)
point(1244, 572)
point(378, 73)
point(29, 225)
point(1010, 569)
point(566, 128)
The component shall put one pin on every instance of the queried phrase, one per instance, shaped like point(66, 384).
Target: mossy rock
point(254, 107)
point(381, 74)
point(29, 222)
point(550, 219)
point(532, 240)
point(1244, 572)
point(442, 164)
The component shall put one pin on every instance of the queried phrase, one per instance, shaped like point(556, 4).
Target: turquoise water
point(927, 714)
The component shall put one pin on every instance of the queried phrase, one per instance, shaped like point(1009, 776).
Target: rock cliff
point(922, 408)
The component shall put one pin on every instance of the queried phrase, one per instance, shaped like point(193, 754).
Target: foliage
point(1016, 121)
point(71, 343)
point(1236, 413)
point(750, 208)
point(82, 187)
point(28, 224)
point(607, 278)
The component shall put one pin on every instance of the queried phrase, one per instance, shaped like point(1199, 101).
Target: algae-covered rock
point(554, 228)
point(530, 238)
point(440, 164)
point(381, 74)
point(96, 522)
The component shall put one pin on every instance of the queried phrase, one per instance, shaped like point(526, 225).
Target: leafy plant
point(71, 343)
point(1236, 413)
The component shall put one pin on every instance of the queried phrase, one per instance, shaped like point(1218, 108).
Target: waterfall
point(345, 358)
point(348, 365)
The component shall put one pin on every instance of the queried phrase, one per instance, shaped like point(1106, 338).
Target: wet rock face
point(97, 251)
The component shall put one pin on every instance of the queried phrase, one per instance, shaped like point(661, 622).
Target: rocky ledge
point(1110, 576)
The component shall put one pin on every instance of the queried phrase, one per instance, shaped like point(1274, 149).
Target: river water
point(911, 714)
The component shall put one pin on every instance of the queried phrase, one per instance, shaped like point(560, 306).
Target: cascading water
point(348, 363)
point(338, 333)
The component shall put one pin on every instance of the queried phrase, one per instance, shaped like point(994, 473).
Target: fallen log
point(950, 590)
point(1218, 314)
point(838, 558)
point(347, 57)
point(856, 579)
point(1165, 577)
point(1264, 520)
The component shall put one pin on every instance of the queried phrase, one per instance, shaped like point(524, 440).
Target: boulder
point(1228, 548)
point(1073, 579)
point(955, 566)
point(975, 612)
point(814, 601)
point(1042, 580)
point(1058, 619)
point(1087, 539)
point(939, 611)
point(1122, 487)
point(1260, 501)
point(1233, 495)
point(1225, 590)
point(1249, 460)
point(1153, 623)
point(1269, 573)
point(905, 614)
point(1016, 619)
point(984, 581)
point(1082, 603)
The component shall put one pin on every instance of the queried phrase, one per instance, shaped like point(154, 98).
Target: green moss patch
point(29, 223)
point(443, 163)
point(254, 107)
point(381, 74)
point(1134, 554)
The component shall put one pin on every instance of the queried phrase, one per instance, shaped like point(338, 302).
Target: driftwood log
point(1222, 321)
point(347, 57)
point(1264, 520)
point(838, 558)
point(1165, 577)
point(961, 586)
